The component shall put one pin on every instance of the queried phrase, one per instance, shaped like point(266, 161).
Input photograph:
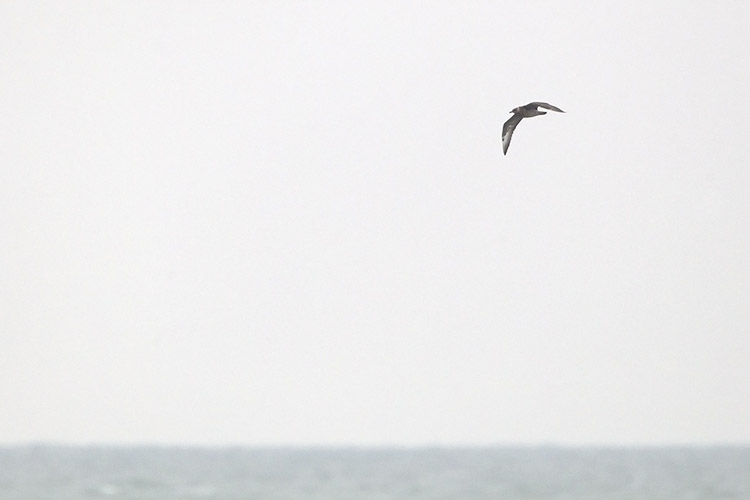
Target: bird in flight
point(521, 112)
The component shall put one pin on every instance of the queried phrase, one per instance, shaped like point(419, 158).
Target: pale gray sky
point(292, 222)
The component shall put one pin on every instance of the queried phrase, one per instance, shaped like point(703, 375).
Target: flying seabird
point(519, 114)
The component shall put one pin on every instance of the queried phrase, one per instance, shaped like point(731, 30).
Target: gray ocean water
point(61, 473)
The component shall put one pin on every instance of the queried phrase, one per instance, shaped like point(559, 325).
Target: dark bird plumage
point(521, 112)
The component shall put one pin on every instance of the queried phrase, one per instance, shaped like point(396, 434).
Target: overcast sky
point(292, 223)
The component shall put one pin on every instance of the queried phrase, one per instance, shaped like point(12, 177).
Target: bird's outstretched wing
point(546, 106)
point(508, 128)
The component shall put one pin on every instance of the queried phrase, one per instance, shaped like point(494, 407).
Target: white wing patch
point(508, 128)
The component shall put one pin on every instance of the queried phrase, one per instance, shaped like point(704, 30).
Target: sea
point(42, 472)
